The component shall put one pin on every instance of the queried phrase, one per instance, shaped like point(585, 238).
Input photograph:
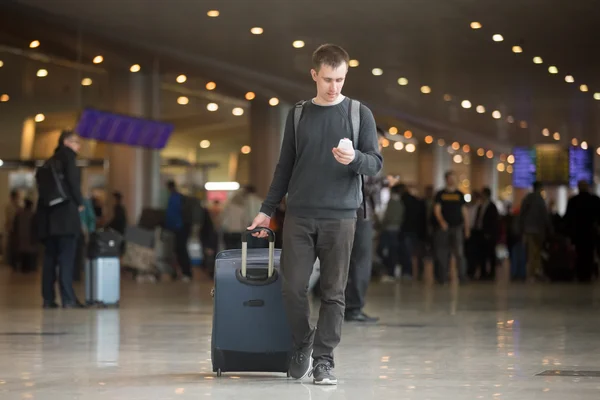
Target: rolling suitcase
point(103, 269)
point(250, 332)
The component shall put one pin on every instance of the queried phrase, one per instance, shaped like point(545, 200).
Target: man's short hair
point(448, 174)
point(537, 186)
point(487, 192)
point(171, 185)
point(331, 55)
point(64, 135)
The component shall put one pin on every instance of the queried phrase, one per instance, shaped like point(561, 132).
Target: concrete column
point(267, 125)
point(434, 162)
point(135, 172)
point(484, 174)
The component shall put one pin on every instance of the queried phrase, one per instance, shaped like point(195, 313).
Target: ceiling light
point(385, 143)
point(480, 152)
point(4, 98)
point(429, 139)
point(257, 30)
point(523, 124)
point(238, 111)
point(181, 79)
point(353, 63)
point(86, 82)
point(183, 100)
point(398, 145)
point(517, 49)
point(246, 149)
point(211, 86)
point(574, 142)
point(552, 69)
point(40, 118)
point(98, 60)
point(447, 97)
point(425, 89)
point(393, 130)
point(205, 144)
point(475, 25)
point(466, 148)
point(42, 73)
point(584, 145)
point(583, 88)
point(489, 154)
point(509, 169)
point(457, 158)
point(510, 159)
point(441, 142)
point(34, 44)
point(273, 101)
point(556, 136)
point(569, 79)
point(497, 37)
point(212, 107)
point(466, 104)
point(408, 134)
point(480, 109)
point(546, 132)
point(597, 96)
point(298, 44)
point(455, 146)
point(598, 151)
point(1, 63)
point(213, 13)
point(402, 81)
point(538, 60)
point(377, 71)
point(410, 148)
point(250, 96)
point(510, 119)
point(501, 167)
point(135, 68)
point(496, 114)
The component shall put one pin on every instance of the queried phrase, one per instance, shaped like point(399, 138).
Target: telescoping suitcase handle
point(271, 239)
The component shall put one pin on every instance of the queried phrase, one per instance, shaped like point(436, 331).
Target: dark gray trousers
point(305, 239)
point(361, 264)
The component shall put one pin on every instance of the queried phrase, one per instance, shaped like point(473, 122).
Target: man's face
point(330, 81)
point(73, 143)
point(451, 180)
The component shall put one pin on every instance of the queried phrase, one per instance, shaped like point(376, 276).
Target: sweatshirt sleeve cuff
point(266, 210)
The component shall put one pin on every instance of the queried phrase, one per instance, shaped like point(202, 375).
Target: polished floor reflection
point(480, 341)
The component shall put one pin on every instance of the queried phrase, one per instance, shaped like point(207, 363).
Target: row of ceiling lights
point(538, 60)
point(552, 69)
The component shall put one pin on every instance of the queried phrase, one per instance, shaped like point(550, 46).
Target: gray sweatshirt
point(317, 185)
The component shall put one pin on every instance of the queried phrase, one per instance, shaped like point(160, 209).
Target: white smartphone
point(345, 144)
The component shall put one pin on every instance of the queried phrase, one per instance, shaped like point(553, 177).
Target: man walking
point(452, 227)
point(176, 222)
point(58, 221)
point(324, 186)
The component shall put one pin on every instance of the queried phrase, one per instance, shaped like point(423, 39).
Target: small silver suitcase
point(103, 281)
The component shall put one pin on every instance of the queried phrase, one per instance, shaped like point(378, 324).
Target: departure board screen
point(552, 164)
point(524, 167)
point(121, 129)
point(581, 166)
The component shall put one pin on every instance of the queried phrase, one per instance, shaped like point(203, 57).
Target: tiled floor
point(480, 341)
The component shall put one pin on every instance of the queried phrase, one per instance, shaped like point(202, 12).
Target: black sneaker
point(322, 374)
point(301, 361)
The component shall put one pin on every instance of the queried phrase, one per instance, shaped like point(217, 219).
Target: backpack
point(50, 183)
point(354, 111)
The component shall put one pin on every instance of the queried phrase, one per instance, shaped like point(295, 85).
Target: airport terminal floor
point(478, 341)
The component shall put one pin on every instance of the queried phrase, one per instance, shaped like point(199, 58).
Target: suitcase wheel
point(219, 373)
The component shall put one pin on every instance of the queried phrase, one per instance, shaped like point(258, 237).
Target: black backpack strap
point(354, 113)
point(297, 116)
